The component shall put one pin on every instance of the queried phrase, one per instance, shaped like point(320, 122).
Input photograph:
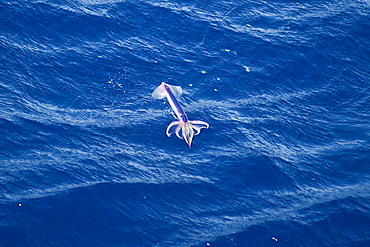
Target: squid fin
point(176, 90)
point(159, 92)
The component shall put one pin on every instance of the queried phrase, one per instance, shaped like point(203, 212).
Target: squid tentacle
point(186, 130)
point(188, 133)
point(178, 131)
point(168, 131)
point(197, 129)
point(198, 125)
point(201, 123)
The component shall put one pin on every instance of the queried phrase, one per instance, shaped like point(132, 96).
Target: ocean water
point(284, 85)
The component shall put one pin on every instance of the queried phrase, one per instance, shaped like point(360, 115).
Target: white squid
point(184, 128)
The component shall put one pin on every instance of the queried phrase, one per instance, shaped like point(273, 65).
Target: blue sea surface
point(284, 85)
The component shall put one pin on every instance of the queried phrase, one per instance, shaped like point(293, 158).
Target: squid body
point(184, 128)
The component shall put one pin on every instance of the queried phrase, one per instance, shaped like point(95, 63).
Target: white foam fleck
point(247, 68)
